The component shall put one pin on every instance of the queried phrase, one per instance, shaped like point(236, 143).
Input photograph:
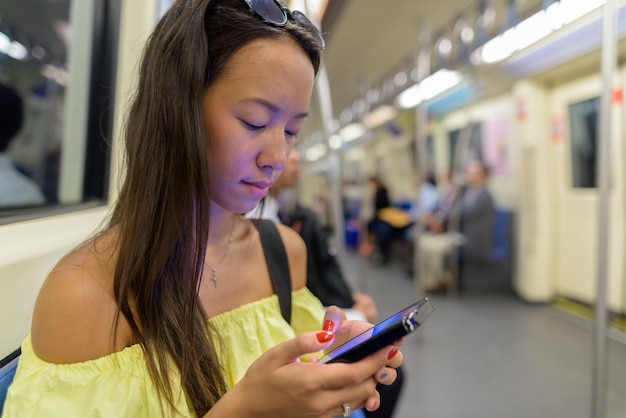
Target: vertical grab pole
point(600, 363)
point(421, 136)
point(334, 162)
point(324, 97)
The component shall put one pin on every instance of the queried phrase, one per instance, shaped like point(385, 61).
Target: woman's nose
point(274, 152)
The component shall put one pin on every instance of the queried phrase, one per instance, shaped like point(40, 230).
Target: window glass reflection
point(59, 57)
point(583, 117)
point(17, 184)
point(33, 66)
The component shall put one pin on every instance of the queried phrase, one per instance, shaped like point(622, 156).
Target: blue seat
point(501, 236)
point(497, 272)
point(8, 366)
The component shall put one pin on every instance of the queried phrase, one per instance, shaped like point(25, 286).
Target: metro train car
point(411, 92)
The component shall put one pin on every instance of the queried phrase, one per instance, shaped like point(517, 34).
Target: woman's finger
point(386, 375)
point(333, 318)
point(292, 350)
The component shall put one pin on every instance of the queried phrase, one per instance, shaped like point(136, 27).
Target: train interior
point(411, 91)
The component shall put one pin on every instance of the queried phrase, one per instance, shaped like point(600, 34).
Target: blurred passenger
point(426, 205)
point(377, 240)
point(427, 199)
point(464, 220)
point(325, 278)
point(16, 189)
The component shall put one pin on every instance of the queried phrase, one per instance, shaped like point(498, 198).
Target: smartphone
point(382, 334)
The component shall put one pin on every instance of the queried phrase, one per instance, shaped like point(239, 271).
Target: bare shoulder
point(296, 253)
point(75, 309)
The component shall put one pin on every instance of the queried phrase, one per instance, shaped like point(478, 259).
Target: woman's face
point(252, 114)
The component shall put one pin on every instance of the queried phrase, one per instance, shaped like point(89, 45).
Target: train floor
point(492, 355)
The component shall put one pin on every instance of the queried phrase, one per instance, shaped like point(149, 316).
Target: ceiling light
point(335, 142)
point(581, 37)
point(358, 106)
point(379, 116)
point(400, 79)
point(444, 47)
point(345, 116)
point(352, 132)
point(467, 35)
point(372, 95)
point(533, 29)
point(12, 48)
point(429, 88)
point(316, 152)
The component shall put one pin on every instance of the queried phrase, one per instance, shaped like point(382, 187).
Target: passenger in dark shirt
point(375, 242)
point(325, 278)
point(324, 275)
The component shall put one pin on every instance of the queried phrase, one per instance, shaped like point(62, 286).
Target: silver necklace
point(214, 277)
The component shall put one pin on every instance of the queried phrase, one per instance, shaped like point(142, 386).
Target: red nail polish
point(324, 336)
point(391, 354)
point(328, 325)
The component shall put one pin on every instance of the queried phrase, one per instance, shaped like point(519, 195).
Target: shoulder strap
point(277, 264)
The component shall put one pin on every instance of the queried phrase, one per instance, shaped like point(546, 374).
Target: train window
point(583, 125)
point(57, 72)
point(429, 158)
point(465, 145)
point(162, 7)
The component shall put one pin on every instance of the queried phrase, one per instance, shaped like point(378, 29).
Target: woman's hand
point(335, 320)
point(279, 384)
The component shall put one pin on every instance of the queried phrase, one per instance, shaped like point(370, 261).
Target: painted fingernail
point(328, 325)
point(383, 374)
point(392, 353)
point(324, 336)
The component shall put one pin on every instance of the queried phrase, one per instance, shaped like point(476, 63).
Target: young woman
point(170, 310)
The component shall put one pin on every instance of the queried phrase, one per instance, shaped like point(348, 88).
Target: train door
point(574, 110)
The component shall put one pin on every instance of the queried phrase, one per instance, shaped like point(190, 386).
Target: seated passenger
point(464, 220)
point(376, 238)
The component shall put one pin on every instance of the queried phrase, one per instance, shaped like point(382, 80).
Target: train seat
point(8, 366)
point(496, 273)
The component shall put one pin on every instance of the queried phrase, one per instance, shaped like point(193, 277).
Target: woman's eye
point(291, 134)
point(252, 126)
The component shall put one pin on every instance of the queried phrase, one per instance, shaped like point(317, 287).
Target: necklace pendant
point(214, 279)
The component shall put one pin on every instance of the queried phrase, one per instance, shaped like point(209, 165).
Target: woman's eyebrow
point(273, 108)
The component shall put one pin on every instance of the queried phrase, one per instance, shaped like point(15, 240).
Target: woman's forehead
point(272, 69)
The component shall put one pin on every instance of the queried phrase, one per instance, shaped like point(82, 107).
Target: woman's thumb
point(306, 343)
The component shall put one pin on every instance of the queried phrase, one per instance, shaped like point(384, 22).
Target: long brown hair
point(163, 209)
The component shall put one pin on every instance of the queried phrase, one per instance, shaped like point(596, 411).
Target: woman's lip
point(258, 188)
point(260, 184)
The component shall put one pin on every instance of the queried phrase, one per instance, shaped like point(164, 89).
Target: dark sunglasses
point(274, 13)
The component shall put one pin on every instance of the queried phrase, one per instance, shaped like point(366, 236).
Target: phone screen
point(382, 334)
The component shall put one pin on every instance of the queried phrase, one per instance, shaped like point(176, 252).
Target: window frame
point(102, 78)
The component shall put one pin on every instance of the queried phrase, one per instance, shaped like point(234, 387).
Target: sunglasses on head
point(273, 13)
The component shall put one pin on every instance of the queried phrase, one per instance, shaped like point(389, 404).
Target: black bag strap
point(277, 264)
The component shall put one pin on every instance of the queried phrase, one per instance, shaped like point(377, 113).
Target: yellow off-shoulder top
point(119, 385)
